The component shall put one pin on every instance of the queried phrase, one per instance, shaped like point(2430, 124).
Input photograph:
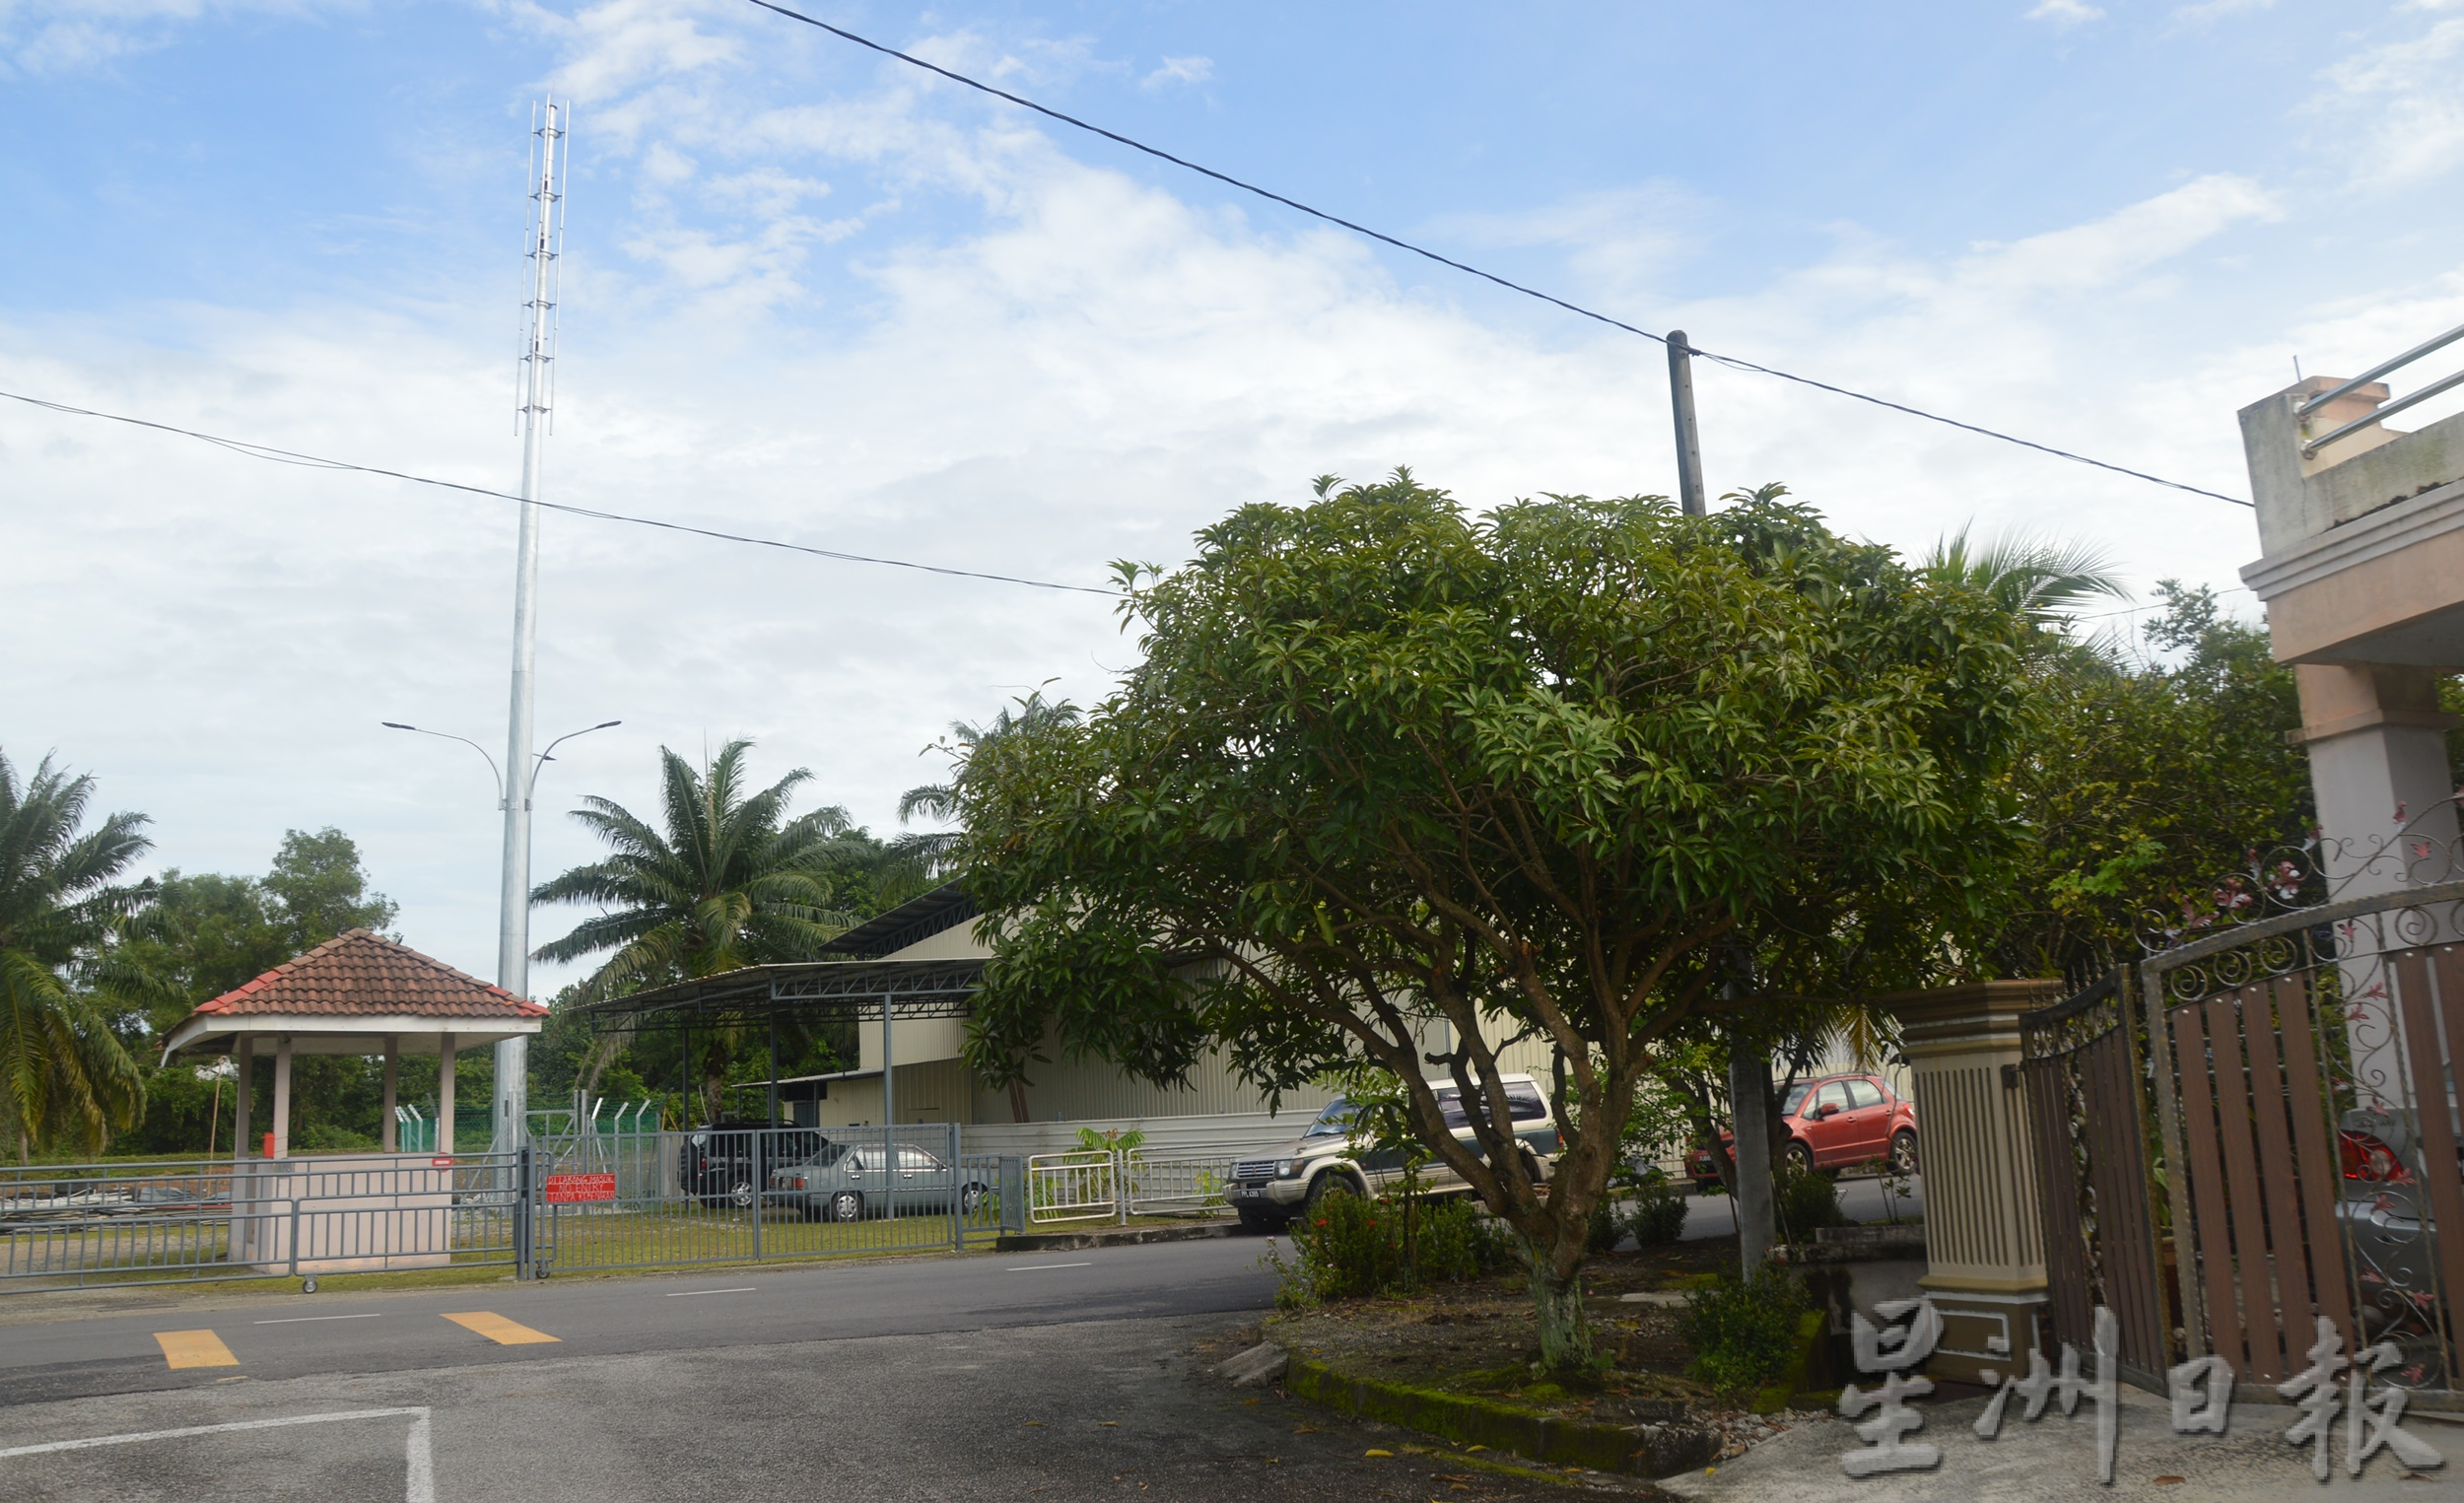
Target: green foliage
point(1111, 1139)
point(1656, 1215)
point(728, 880)
point(924, 854)
point(64, 1073)
point(1605, 1227)
point(1743, 1331)
point(1808, 1200)
point(1385, 765)
point(1349, 1247)
point(207, 933)
point(2142, 783)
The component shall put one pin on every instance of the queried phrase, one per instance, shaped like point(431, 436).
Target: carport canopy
point(356, 993)
point(802, 992)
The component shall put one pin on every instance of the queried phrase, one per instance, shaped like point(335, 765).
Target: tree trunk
point(1557, 1300)
point(1749, 1118)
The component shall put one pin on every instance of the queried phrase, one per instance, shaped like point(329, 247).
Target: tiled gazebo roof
point(342, 997)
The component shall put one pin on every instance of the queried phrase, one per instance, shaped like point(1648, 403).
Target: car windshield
point(1335, 1121)
point(830, 1153)
point(1796, 1098)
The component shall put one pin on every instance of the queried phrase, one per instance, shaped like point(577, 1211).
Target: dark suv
point(727, 1163)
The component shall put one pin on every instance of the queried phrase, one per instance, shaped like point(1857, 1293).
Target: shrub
point(1657, 1214)
point(1456, 1242)
point(1607, 1226)
point(1351, 1248)
point(1743, 1331)
point(1808, 1200)
point(1348, 1246)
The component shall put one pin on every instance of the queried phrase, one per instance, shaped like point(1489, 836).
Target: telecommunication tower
point(551, 128)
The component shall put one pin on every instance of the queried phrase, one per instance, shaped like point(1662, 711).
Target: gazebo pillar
point(386, 1124)
point(444, 1094)
point(243, 1059)
point(282, 1096)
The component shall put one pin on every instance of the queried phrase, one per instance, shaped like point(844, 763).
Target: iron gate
point(2306, 1074)
point(2301, 1076)
point(2082, 1062)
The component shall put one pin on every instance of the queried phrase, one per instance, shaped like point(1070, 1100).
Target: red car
point(1833, 1122)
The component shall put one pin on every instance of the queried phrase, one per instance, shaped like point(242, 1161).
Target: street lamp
point(512, 1055)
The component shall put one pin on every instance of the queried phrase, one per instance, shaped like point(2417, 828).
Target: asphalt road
point(1069, 1375)
point(1862, 1199)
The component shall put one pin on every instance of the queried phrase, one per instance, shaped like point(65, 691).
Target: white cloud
point(2207, 11)
point(2407, 93)
point(1179, 70)
point(2065, 14)
point(1617, 242)
point(48, 37)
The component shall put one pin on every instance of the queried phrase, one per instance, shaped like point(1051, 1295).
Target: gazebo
point(356, 993)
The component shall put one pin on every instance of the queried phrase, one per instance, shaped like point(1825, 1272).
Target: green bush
point(1456, 1242)
point(1351, 1248)
point(1657, 1214)
point(1808, 1200)
point(1607, 1226)
point(1743, 1331)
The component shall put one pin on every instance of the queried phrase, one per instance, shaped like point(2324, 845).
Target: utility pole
point(1749, 1073)
point(1688, 440)
point(552, 125)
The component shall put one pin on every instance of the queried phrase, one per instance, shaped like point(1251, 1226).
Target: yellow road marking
point(194, 1349)
point(498, 1329)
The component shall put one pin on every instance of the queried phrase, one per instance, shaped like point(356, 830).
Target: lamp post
point(512, 1055)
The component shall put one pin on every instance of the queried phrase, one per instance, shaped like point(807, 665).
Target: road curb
point(1648, 1451)
point(1110, 1236)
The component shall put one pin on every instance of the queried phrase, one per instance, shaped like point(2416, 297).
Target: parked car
point(847, 1182)
point(2385, 1224)
point(1267, 1193)
point(1831, 1121)
point(726, 1162)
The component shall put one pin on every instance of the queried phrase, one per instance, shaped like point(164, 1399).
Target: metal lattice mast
point(549, 131)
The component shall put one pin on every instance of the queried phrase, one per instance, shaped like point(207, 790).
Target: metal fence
point(774, 1193)
point(175, 1221)
point(581, 1201)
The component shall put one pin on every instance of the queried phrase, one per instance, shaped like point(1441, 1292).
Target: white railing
point(1074, 1186)
point(1115, 1185)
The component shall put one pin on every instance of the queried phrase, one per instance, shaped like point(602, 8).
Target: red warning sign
point(579, 1189)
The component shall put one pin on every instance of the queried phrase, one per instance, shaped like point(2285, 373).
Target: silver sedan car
point(847, 1182)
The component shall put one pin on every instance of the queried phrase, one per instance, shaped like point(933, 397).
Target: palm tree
point(2039, 579)
point(62, 1070)
point(928, 853)
point(729, 881)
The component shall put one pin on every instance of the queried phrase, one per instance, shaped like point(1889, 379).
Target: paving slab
point(2053, 1460)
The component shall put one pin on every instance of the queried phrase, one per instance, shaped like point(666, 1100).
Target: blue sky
point(812, 293)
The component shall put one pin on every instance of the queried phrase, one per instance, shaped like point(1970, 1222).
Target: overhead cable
point(313, 462)
point(1468, 269)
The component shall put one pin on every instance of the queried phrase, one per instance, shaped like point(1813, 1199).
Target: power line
point(1467, 269)
point(313, 462)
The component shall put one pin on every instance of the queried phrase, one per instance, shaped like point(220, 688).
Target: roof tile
point(362, 974)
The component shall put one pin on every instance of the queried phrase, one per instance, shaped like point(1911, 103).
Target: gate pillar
point(1984, 1243)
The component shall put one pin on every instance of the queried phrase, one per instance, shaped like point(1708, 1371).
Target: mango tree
point(1395, 784)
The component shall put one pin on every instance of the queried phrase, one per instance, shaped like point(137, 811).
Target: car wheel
point(847, 1206)
point(1799, 1158)
point(1903, 1151)
point(741, 1197)
point(1335, 1183)
point(969, 1200)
